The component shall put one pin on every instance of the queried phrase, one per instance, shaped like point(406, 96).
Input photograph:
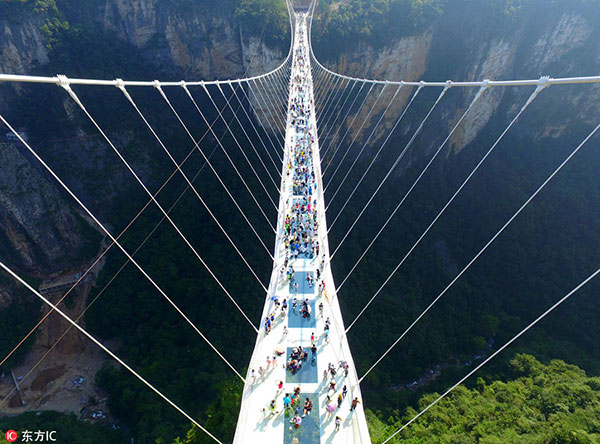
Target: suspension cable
point(493, 355)
point(330, 141)
point(479, 93)
point(383, 114)
point(117, 243)
point(275, 88)
point(323, 87)
point(248, 137)
point(279, 115)
point(99, 258)
point(335, 102)
point(323, 94)
point(492, 83)
point(256, 131)
point(541, 85)
point(496, 83)
point(328, 124)
point(220, 144)
point(280, 98)
point(329, 95)
point(262, 125)
point(185, 88)
point(400, 156)
point(267, 89)
point(281, 92)
point(130, 99)
point(364, 121)
point(267, 112)
point(88, 306)
point(274, 120)
point(69, 90)
point(241, 150)
point(131, 222)
point(339, 144)
point(106, 349)
point(494, 237)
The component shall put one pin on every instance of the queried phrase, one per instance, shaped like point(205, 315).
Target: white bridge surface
point(257, 423)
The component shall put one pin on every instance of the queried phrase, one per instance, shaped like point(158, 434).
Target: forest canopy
point(265, 16)
point(553, 403)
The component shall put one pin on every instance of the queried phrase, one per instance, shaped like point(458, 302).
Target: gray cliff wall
point(41, 226)
point(558, 45)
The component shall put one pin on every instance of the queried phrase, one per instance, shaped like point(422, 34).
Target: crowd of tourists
point(300, 237)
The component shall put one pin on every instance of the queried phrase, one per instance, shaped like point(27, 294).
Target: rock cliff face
point(556, 45)
point(572, 31)
point(201, 45)
point(40, 227)
point(40, 232)
point(21, 45)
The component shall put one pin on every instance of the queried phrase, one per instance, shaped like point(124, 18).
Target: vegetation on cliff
point(268, 17)
point(338, 25)
point(553, 403)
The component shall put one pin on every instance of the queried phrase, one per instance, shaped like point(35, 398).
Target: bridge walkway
point(301, 246)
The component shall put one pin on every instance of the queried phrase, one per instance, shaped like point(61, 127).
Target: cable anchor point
point(65, 83)
point(184, 85)
point(119, 83)
point(543, 82)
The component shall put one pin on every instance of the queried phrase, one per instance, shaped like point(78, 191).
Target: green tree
point(268, 15)
point(553, 403)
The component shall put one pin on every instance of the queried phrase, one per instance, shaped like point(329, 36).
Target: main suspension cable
point(131, 222)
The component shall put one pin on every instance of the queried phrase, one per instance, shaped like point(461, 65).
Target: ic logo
point(11, 436)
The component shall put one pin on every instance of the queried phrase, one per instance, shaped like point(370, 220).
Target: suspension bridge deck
point(258, 422)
